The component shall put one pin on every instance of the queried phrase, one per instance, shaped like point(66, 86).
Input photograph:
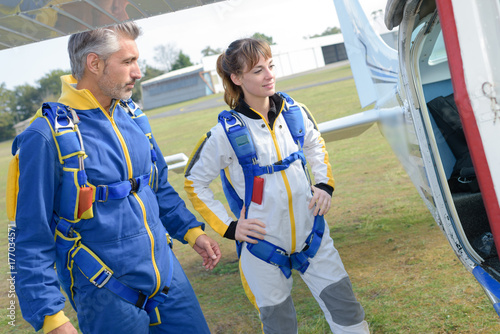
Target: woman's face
point(257, 82)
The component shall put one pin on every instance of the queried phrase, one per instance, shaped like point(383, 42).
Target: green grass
point(402, 268)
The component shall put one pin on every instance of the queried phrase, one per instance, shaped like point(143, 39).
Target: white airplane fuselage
point(445, 65)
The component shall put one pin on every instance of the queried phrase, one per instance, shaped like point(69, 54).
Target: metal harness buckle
point(126, 104)
point(106, 190)
point(282, 252)
point(134, 185)
point(103, 283)
point(58, 126)
point(238, 122)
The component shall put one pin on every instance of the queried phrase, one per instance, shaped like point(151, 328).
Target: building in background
point(177, 86)
point(202, 80)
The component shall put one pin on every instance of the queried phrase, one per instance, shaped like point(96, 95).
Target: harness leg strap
point(102, 276)
point(271, 254)
point(277, 256)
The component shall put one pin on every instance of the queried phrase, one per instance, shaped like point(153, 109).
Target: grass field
point(403, 270)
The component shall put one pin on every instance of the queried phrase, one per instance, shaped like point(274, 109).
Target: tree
point(148, 72)
point(27, 99)
point(263, 37)
point(6, 126)
point(50, 85)
point(181, 62)
point(165, 56)
point(328, 31)
point(6, 116)
point(208, 51)
point(5, 99)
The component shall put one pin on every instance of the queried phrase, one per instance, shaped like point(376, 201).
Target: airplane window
point(438, 54)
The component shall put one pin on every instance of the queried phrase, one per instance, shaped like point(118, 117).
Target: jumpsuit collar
point(276, 104)
point(80, 99)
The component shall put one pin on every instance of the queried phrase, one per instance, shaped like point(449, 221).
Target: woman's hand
point(322, 200)
point(247, 228)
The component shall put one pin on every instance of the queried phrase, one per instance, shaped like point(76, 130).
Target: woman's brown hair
point(241, 54)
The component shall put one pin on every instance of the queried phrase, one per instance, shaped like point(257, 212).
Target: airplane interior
point(448, 144)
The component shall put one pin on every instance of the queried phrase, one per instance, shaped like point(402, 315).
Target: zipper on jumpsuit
point(141, 204)
point(285, 179)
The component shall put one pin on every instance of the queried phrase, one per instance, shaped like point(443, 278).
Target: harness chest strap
point(121, 189)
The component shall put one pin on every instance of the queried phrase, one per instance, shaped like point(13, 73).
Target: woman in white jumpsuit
point(283, 209)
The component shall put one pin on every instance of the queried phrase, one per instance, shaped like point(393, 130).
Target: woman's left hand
point(322, 200)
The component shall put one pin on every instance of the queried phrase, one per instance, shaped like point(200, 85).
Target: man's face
point(120, 71)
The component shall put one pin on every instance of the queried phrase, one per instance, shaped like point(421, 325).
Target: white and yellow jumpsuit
point(284, 210)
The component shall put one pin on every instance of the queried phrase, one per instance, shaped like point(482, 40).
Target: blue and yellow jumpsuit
point(129, 235)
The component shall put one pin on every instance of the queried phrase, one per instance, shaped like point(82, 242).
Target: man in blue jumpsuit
point(121, 275)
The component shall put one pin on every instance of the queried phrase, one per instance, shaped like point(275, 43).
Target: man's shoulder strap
point(56, 113)
point(63, 122)
point(137, 115)
point(142, 121)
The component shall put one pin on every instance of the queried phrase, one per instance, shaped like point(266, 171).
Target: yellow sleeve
point(12, 188)
point(193, 234)
point(51, 322)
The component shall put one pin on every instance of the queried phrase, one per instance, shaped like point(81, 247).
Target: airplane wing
point(349, 126)
point(176, 162)
point(29, 21)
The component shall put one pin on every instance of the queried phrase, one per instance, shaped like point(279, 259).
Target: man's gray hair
point(102, 41)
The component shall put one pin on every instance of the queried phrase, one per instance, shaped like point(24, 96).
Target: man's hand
point(209, 250)
point(247, 228)
point(322, 200)
point(66, 328)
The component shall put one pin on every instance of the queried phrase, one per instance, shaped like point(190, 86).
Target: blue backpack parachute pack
point(77, 198)
point(244, 148)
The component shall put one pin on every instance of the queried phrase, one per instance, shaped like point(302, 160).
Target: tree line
point(23, 101)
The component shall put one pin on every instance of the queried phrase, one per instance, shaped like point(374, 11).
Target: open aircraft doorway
point(448, 144)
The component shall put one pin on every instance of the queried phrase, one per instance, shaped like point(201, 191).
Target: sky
point(190, 31)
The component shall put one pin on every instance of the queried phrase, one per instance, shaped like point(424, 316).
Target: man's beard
point(113, 90)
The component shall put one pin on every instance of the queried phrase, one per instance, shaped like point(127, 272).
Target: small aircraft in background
point(437, 102)
point(436, 99)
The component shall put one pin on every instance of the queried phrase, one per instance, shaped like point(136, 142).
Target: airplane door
point(470, 30)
